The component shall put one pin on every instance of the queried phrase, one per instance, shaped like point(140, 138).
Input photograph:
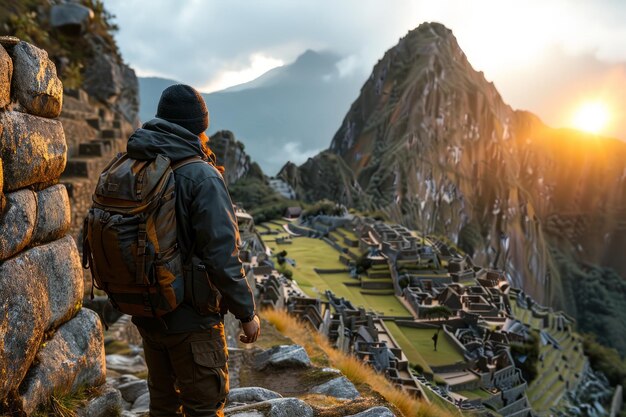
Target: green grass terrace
point(560, 368)
point(417, 345)
point(273, 226)
point(310, 254)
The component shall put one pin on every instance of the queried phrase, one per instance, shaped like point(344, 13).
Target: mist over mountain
point(288, 113)
point(433, 144)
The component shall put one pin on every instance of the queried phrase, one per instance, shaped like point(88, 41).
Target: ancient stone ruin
point(49, 344)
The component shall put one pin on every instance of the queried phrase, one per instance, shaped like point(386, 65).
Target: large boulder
point(35, 83)
point(64, 274)
point(53, 214)
point(6, 72)
point(283, 356)
point(141, 405)
point(133, 390)
point(71, 18)
point(289, 407)
point(251, 413)
point(73, 358)
point(107, 403)
point(278, 407)
point(33, 149)
point(339, 387)
point(103, 78)
point(126, 364)
point(39, 289)
point(248, 395)
point(17, 222)
point(30, 217)
point(374, 412)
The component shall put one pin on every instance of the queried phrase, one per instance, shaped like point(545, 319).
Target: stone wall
point(48, 342)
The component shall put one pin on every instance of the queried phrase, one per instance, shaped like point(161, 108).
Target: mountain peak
point(434, 39)
point(432, 141)
point(316, 62)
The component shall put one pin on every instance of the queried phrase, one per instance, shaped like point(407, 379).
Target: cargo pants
point(187, 372)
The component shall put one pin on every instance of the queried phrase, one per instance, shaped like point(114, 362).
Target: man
point(185, 350)
point(435, 339)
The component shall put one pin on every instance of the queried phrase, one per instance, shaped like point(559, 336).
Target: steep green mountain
point(430, 141)
point(289, 111)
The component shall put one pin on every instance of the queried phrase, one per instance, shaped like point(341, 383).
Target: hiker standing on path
point(191, 352)
point(435, 338)
point(162, 240)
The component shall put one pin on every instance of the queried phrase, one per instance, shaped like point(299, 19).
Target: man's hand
point(251, 330)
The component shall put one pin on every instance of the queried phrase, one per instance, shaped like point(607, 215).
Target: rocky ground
point(272, 378)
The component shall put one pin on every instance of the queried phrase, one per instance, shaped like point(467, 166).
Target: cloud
point(214, 43)
point(349, 65)
point(258, 65)
point(292, 151)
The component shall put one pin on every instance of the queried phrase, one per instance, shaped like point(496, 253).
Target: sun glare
point(591, 117)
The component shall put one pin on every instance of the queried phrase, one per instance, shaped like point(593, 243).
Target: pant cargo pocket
point(211, 367)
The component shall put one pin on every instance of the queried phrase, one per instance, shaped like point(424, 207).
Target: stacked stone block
point(48, 342)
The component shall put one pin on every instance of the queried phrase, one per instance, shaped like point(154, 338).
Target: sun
point(591, 117)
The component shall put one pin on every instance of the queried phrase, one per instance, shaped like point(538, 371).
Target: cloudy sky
point(547, 56)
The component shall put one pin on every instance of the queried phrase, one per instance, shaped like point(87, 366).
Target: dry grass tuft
point(65, 403)
point(319, 348)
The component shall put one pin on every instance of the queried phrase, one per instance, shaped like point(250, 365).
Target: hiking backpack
point(129, 236)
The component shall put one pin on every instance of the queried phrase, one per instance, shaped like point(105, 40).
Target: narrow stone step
point(79, 94)
point(110, 134)
point(94, 122)
point(85, 167)
point(92, 149)
point(76, 114)
point(110, 146)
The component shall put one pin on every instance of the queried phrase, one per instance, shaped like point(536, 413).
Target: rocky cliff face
point(231, 155)
point(324, 176)
point(432, 142)
point(48, 343)
point(77, 36)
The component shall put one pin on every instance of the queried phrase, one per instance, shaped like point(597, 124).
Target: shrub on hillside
point(259, 199)
point(439, 312)
point(284, 269)
point(470, 238)
point(363, 264)
point(604, 359)
point(324, 207)
point(596, 297)
point(526, 357)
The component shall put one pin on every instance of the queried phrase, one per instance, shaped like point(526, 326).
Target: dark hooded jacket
point(206, 224)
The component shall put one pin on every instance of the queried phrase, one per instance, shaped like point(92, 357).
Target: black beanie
point(183, 105)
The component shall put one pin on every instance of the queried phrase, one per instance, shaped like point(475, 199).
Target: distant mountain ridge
point(289, 111)
point(433, 144)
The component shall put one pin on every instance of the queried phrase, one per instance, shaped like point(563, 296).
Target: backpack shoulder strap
point(191, 160)
point(186, 161)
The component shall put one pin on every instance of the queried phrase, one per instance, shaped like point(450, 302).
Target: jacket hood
point(160, 137)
